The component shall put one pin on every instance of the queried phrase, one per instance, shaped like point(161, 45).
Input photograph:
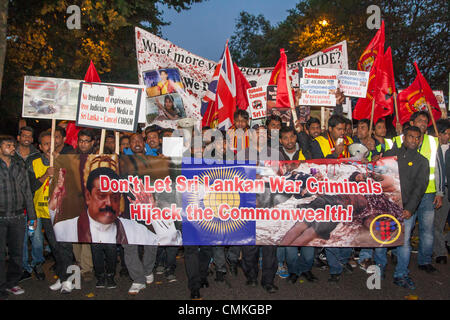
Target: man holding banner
point(414, 171)
point(334, 145)
point(429, 147)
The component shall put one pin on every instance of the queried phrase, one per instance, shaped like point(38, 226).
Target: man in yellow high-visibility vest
point(334, 145)
point(382, 144)
point(428, 147)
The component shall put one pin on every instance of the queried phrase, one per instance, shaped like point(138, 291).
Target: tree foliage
point(416, 30)
point(40, 44)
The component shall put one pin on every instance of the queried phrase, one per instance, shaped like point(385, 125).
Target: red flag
point(72, 134)
point(72, 130)
point(379, 85)
point(416, 97)
point(91, 74)
point(385, 76)
point(241, 88)
point(279, 78)
point(369, 55)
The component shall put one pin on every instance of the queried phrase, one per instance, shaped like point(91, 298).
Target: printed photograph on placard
point(284, 113)
point(84, 209)
point(50, 98)
point(166, 107)
point(371, 194)
point(162, 81)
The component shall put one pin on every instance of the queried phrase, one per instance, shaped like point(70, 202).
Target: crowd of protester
point(25, 171)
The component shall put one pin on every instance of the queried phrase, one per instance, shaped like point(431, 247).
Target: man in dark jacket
point(26, 153)
point(414, 174)
point(15, 197)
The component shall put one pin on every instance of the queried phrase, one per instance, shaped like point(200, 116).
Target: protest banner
point(327, 202)
point(257, 98)
point(154, 53)
point(50, 98)
point(353, 83)
point(318, 86)
point(107, 106)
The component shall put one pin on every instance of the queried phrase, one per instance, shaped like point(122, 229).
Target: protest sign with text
point(328, 202)
point(106, 106)
point(154, 53)
point(257, 98)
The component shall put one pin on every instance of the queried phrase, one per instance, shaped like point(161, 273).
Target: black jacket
point(414, 173)
point(447, 169)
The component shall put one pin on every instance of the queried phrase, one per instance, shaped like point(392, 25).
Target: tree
point(3, 27)
point(39, 42)
point(416, 30)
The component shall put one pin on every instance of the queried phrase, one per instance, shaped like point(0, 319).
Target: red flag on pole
point(379, 85)
point(369, 55)
point(416, 97)
point(72, 130)
point(385, 76)
point(279, 78)
point(241, 88)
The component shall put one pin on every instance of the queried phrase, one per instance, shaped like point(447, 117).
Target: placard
point(353, 83)
point(50, 98)
point(106, 106)
point(257, 99)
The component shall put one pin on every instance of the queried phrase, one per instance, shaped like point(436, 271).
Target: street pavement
point(351, 287)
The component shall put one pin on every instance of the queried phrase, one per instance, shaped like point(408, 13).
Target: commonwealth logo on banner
point(203, 195)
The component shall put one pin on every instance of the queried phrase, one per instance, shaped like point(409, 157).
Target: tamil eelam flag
point(417, 97)
point(376, 92)
point(375, 47)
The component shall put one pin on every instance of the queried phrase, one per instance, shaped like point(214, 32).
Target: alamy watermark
point(374, 281)
point(74, 20)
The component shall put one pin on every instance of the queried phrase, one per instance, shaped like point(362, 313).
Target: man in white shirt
point(100, 222)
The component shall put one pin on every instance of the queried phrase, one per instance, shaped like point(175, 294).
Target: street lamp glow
point(323, 22)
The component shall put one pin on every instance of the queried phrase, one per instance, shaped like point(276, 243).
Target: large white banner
point(156, 55)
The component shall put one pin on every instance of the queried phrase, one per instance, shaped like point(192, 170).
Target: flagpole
point(291, 98)
point(371, 117)
point(432, 119)
point(52, 142)
point(397, 124)
point(117, 139)
point(102, 141)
